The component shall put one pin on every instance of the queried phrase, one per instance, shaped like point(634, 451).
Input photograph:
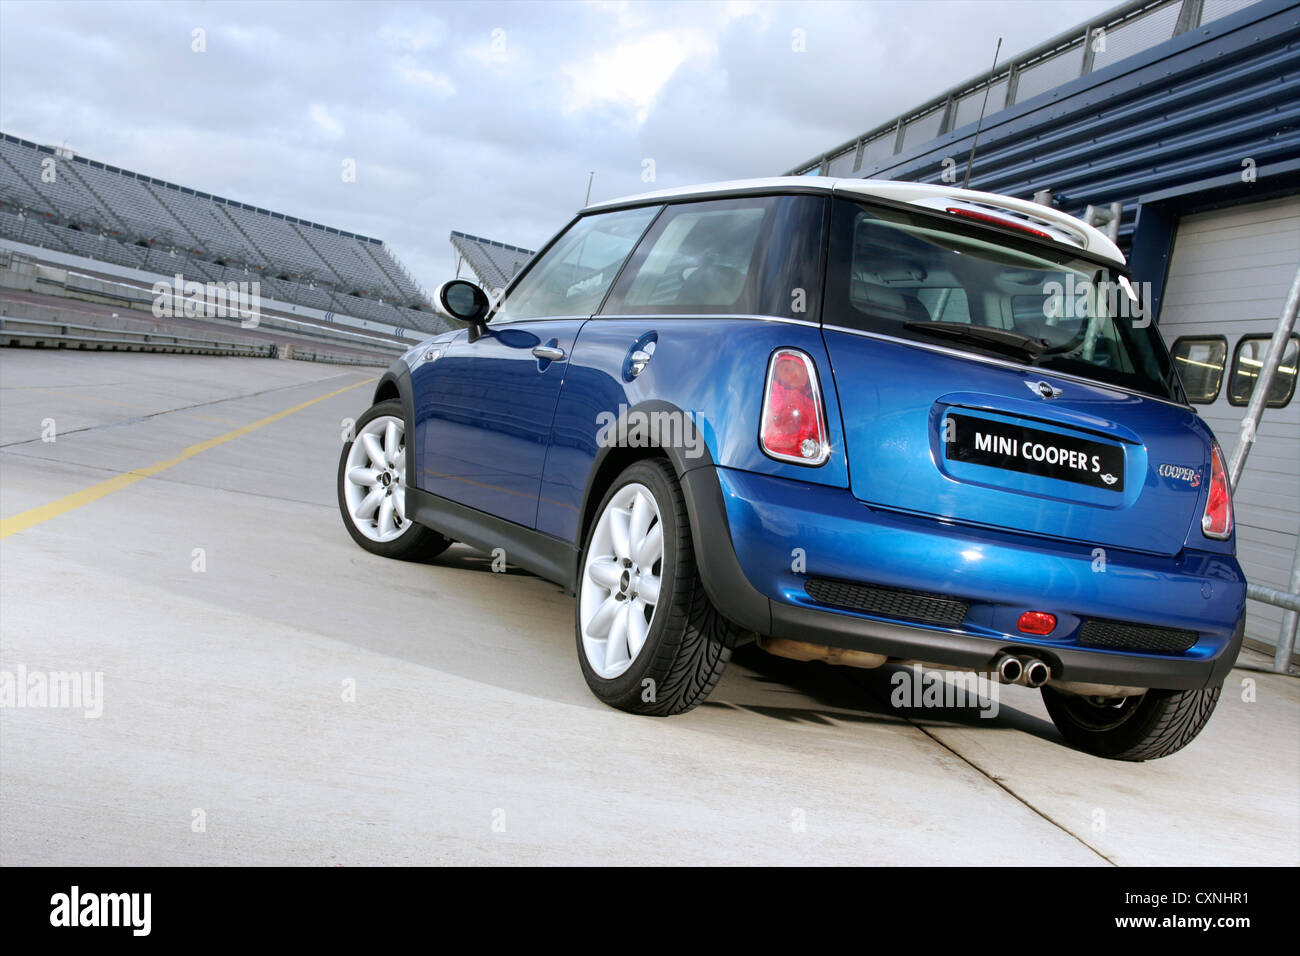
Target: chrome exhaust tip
point(1009, 669)
point(1036, 673)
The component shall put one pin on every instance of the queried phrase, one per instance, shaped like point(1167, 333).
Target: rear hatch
point(943, 435)
point(945, 342)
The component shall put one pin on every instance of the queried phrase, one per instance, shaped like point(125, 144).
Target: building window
point(1248, 361)
point(1200, 362)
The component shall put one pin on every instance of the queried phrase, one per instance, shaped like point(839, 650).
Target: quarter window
point(1200, 363)
point(1246, 366)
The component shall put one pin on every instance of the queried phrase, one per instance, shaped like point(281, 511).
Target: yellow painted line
point(25, 520)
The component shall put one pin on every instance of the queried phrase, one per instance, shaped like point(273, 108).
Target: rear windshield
point(936, 280)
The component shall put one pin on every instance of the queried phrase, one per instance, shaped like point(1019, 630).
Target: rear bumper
point(760, 539)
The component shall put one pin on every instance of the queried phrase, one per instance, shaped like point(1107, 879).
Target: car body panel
point(483, 416)
point(722, 397)
point(895, 398)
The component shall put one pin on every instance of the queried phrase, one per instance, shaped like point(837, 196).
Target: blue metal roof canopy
point(1208, 117)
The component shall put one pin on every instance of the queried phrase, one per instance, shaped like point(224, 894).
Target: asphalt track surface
point(273, 694)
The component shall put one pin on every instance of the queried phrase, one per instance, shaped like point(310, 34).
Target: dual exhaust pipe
point(1029, 671)
point(1026, 670)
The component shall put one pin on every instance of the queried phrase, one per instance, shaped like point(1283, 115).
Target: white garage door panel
point(1229, 275)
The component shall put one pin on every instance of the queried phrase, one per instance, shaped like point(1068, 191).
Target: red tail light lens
point(794, 425)
point(1217, 520)
point(1037, 622)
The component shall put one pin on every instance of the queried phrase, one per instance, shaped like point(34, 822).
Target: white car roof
point(1062, 227)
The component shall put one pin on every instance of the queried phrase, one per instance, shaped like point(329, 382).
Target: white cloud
point(439, 83)
point(631, 74)
point(325, 122)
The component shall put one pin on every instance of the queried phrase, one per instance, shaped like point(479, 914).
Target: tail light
point(794, 424)
point(1217, 520)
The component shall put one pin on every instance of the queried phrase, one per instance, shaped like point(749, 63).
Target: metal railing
point(18, 331)
point(1116, 35)
point(1289, 601)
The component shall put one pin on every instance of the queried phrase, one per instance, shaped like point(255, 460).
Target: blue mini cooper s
point(852, 421)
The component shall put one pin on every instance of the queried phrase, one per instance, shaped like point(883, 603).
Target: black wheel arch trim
point(724, 581)
point(398, 375)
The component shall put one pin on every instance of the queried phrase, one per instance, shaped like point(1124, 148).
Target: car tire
point(1156, 724)
point(380, 434)
point(674, 658)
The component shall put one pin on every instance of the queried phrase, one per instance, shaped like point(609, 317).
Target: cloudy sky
point(483, 117)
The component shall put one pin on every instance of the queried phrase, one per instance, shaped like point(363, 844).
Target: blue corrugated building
point(1183, 118)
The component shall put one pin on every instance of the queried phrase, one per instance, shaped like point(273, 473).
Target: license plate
point(1033, 451)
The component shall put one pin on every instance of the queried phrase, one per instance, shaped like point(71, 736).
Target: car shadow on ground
point(460, 557)
point(796, 692)
point(855, 695)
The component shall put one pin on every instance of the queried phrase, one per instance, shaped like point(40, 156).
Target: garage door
point(1228, 278)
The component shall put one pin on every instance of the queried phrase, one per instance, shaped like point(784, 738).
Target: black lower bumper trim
point(979, 653)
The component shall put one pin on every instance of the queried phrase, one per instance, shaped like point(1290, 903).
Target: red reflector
point(1217, 520)
point(793, 426)
point(999, 221)
point(1037, 622)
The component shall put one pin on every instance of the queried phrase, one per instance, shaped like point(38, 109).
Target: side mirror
point(462, 300)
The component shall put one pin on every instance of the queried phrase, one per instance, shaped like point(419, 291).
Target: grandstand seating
point(494, 263)
point(114, 215)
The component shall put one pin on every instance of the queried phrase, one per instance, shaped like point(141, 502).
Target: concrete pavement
point(273, 694)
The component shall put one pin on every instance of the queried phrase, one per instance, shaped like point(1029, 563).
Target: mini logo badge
point(1109, 478)
point(1043, 390)
point(1180, 473)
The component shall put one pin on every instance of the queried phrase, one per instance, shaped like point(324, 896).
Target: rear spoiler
point(1006, 210)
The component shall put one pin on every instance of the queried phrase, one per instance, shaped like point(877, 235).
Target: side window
point(1200, 362)
point(572, 276)
point(751, 255)
point(1248, 361)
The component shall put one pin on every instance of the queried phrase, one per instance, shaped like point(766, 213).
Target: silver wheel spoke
point(642, 514)
point(604, 616)
point(369, 503)
point(375, 450)
point(637, 628)
point(648, 589)
point(616, 646)
point(399, 502)
point(369, 477)
point(606, 572)
point(386, 524)
point(650, 548)
point(618, 529)
point(392, 443)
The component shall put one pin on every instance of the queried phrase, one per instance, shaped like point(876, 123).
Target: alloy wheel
point(374, 480)
point(621, 581)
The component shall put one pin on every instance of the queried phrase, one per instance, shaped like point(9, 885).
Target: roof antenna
point(978, 126)
point(589, 179)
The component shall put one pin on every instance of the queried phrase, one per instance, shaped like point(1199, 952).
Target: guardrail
point(67, 280)
point(43, 333)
